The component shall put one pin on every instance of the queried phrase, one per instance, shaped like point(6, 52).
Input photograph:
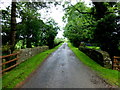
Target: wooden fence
point(116, 63)
point(8, 61)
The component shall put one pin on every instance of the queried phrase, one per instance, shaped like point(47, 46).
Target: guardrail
point(9, 61)
point(116, 63)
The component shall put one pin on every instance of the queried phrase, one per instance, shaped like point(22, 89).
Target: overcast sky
point(56, 13)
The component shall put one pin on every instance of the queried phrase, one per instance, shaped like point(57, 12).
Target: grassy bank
point(21, 72)
point(111, 76)
point(93, 47)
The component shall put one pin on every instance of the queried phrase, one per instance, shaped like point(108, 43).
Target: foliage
point(57, 41)
point(78, 27)
point(98, 25)
point(51, 32)
point(93, 47)
point(5, 23)
point(106, 32)
point(31, 30)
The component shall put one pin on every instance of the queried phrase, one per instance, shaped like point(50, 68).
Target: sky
point(56, 13)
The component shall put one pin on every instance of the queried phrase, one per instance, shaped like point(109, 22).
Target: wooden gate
point(4, 62)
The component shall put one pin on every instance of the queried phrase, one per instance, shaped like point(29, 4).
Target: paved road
point(63, 70)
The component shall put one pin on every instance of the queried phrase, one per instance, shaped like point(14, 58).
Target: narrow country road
point(63, 70)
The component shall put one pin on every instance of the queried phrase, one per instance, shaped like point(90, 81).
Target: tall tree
point(13, 26)
point(98, 24)
point(106, 32)
point(79, 21)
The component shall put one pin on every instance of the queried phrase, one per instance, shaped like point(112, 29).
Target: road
point(63, 70)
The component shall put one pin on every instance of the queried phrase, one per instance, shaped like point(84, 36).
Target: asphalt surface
point(63, 70)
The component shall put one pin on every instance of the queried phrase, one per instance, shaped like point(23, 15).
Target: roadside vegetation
point(30, 31)
point(97, 25)
point(22, 71)
point(93, 47)
point(23, 27)
point(111, 76)
point(57, 41)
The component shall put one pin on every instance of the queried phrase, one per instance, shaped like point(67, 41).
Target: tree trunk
point(100, 9)
point(23, 44)
point(28, 43)
point(12, 35)
point(13, 27)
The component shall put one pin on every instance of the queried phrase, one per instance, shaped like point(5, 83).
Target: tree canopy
point(31, 30)
point(98, 25)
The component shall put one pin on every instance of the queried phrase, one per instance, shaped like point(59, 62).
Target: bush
point(57, 41)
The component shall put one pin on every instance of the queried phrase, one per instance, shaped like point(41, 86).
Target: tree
point(31, 30)
point(13, 26)
point(98, 24)
point(30, 23)
point(106, 32)
point(79, 21)
point(51, 32)
point(5, 25)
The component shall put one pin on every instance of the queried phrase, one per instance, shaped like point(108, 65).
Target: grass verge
point(111, 76)
point(93, 47)
point(22, 71)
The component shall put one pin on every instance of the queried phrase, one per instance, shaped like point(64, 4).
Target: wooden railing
point(116, 63)
point(8, 61)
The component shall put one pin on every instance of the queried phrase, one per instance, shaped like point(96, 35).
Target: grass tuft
point(93, 47)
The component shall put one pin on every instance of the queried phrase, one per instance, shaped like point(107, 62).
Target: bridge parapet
point(24, 54)
point(99, 56)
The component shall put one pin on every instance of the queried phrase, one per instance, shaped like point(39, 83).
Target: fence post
point(116, 63)
point(114, 59)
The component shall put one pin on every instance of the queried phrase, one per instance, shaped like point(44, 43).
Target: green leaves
point(79, 20)
point(98, 24)
point(31, 30)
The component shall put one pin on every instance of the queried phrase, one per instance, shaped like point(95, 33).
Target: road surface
point(63, 70)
